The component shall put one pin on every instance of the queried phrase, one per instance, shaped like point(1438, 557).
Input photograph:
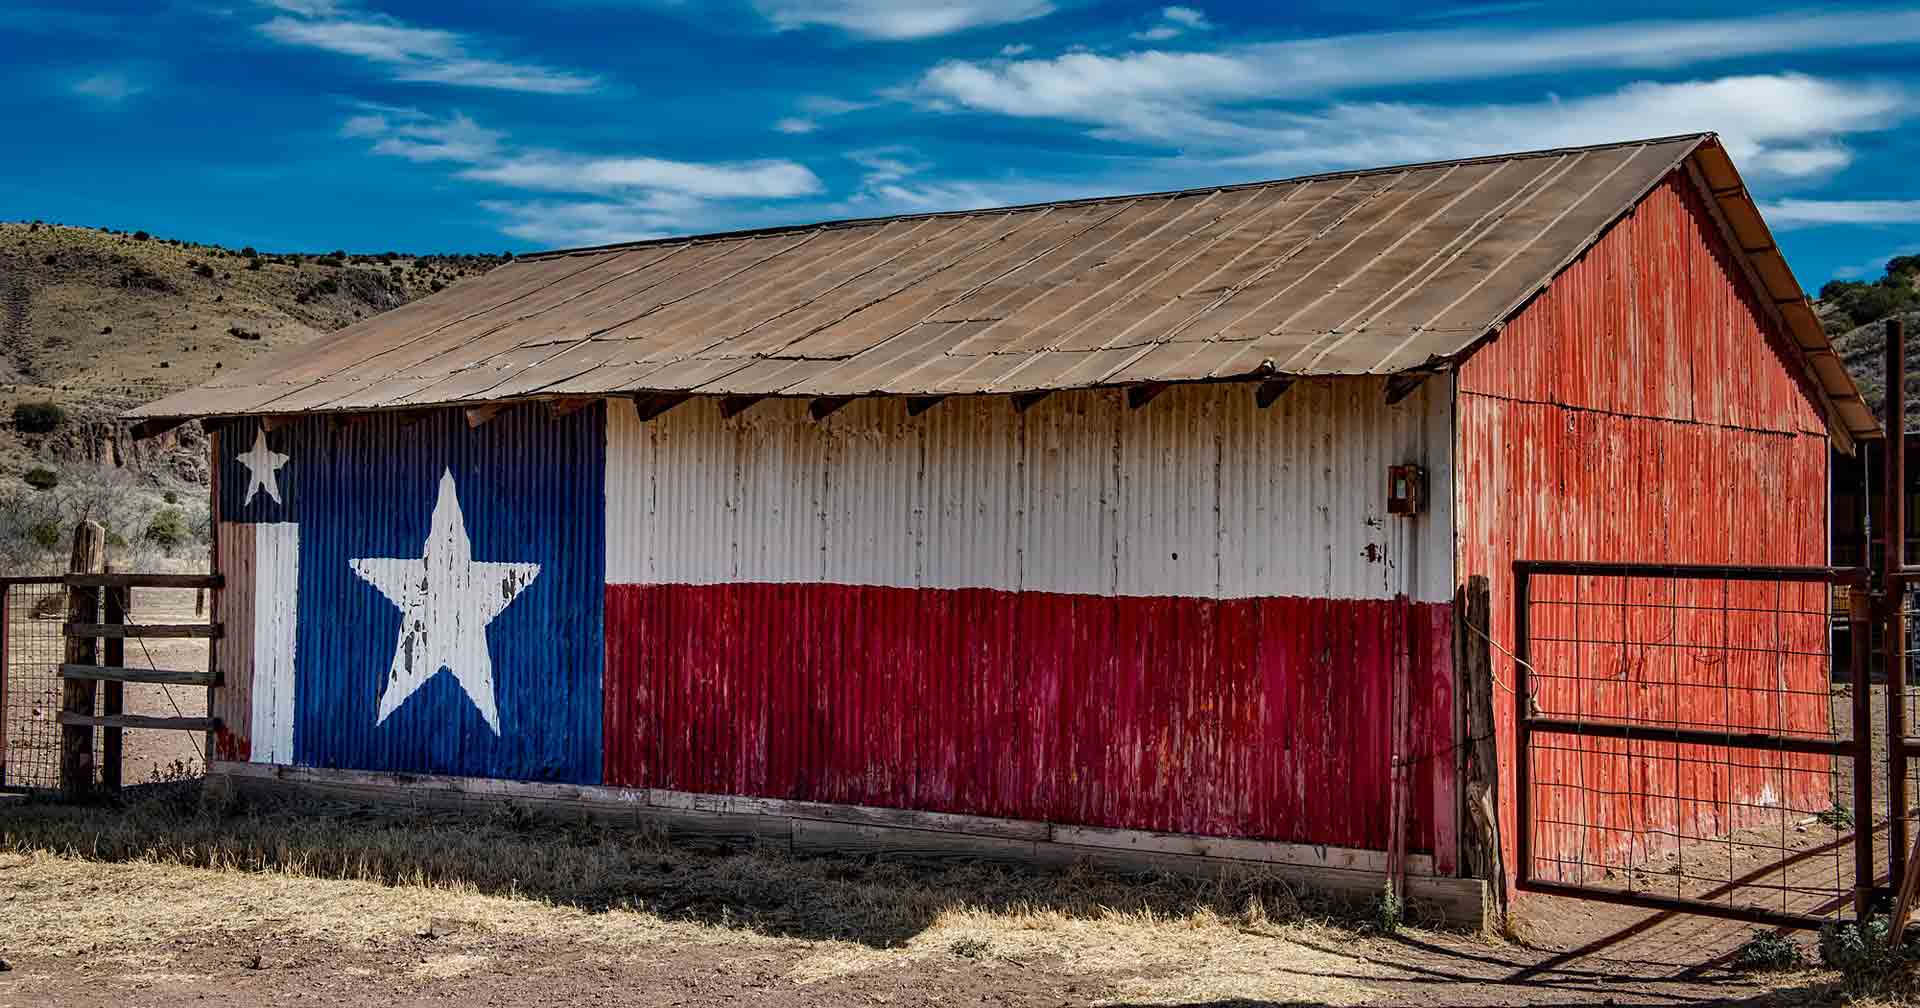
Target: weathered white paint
point(446, 599)
point(263, 466)
point(276, 607)
point(1201, 494)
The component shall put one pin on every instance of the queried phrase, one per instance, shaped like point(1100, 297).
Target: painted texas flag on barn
point(970, 610)
point(461, 593)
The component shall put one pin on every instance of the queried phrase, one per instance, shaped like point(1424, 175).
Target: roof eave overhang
point(1849, 419)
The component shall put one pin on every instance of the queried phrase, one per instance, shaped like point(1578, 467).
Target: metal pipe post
point(1894, 480)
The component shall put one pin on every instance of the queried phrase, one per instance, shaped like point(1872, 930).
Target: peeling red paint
point(1264, 718)
point(1641, 409)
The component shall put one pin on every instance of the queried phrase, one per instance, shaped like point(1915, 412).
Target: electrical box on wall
point(1406, 490)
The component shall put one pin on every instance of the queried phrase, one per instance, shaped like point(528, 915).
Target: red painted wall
point(1642, 408)
point(1265, 718)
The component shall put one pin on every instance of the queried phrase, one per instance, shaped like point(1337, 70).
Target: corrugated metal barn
point(1124, 525)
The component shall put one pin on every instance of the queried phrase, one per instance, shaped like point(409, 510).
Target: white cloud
point(815, 108)
point(900, 19)
point(1187, 16)
point(556, 223)
point(416, 136)
point(1016, 49)
point(1787, 213)
point(635, 197)
point(1090, 87)
point(560, 172)
point(108, 86)
point(409, 53)
point(1784, 126)
point(1873, 269)
point(1174, 22)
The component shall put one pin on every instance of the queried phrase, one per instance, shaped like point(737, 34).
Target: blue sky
point(489, 125)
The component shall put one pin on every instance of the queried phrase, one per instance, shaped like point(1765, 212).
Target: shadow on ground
point(594, 865)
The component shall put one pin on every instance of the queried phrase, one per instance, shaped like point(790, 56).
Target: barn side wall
point(1179, 618)
point(1644, 409)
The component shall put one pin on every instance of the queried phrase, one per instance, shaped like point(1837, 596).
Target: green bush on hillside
point(38, 417)
point(1861, 302)
point(168, 529)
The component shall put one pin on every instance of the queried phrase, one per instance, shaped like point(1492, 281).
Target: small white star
point(446, 599)
point(262, 463)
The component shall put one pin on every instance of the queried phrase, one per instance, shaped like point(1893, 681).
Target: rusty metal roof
point(1367, 272)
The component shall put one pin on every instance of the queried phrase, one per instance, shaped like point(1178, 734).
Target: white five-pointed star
point(262, 463)
point(446, 599)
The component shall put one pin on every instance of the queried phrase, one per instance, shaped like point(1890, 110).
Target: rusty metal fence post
point(1859, 627)
point(1522, 729)
point(1893, 600)
point(6, 667)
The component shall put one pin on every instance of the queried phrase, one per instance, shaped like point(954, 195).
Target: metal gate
point(1683, 743)
point(64, 672)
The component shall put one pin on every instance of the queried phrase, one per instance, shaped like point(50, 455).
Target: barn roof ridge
point(848, 222)
point(1381, 271)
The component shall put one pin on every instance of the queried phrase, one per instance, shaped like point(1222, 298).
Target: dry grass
point(73, 877)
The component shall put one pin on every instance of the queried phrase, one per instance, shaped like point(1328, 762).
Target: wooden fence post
point(1480, 775)
point(77, 695)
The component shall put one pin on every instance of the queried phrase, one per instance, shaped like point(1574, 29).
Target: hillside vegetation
point(94, 322)
point(1854, 313)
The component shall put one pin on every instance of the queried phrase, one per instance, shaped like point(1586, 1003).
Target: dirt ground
point(351, 905)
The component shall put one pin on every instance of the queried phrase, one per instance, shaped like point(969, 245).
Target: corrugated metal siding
point(1265, 718)
point(1200, 494)
point(233, 608)
point(1635, 412)
point(1174, 618)
point(1648, 324)
point(529, 486)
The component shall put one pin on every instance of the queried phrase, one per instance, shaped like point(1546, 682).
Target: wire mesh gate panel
point(31, 650)
point(1683, 745)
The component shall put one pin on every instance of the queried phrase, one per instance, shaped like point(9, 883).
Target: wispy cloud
point(1175, 22)
point(632, 197)
point(408, 52)
point(1873, 269)
point(416, 136)
point(1095, 87)
point(563, 172)
point(814, 109)
point(1783, 126)
point(108, 86)
point(900, 19)
point(1787, 213)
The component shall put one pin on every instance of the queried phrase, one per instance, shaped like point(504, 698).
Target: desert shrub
point(203, 270)
point(253, 262)
point(1769, 953)
point(330, 260)
point(249, 252)
point(141, 236)
point(168, 529)
point(41, 478)
point(1387, 910)
point(170, 497)
point(1866, 956)
point(38, 417)
point(45, 534)
point(245, 334)
point(1861, 302)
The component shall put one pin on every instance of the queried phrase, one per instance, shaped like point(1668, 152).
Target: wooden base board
point(732, 821)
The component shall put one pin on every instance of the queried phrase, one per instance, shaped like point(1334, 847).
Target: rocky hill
point(93, 322)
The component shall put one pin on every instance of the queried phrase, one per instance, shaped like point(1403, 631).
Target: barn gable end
point(1644, 407)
